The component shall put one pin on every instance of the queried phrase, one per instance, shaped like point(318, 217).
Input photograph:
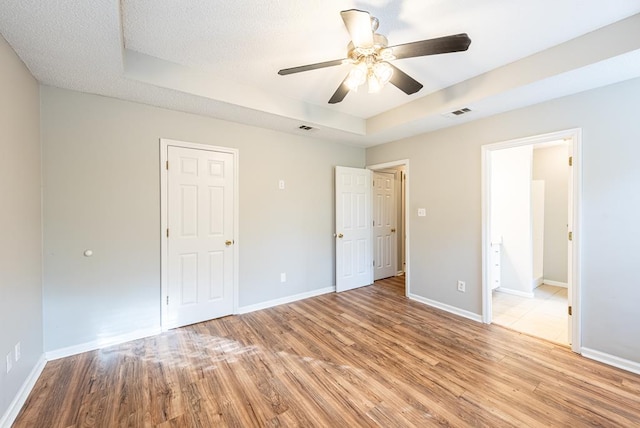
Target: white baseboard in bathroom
point(515, 292)
point(556, 283)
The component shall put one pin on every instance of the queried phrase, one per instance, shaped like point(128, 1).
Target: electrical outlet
point(16, 352)
point(283, 277)
point(281, 184)
point(9, 362)
point(462, 286)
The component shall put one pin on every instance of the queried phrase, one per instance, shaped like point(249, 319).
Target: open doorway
point(390, 226)
point(530, 219)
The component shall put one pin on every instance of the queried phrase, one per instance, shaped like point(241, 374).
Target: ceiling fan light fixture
point(374, 84)
point(357, 76)
point(383, 72)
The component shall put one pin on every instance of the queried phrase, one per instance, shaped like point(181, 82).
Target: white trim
point(407, 216)
point(515, 292)
point(18, 401)
point(555, 283)
point(576, 171)
point(485, 239)
point(447, 308)
point(537, 282)
point(285, 300)
point(575, 135)
point(612, 360)
point(100, 343)
point(164, 144)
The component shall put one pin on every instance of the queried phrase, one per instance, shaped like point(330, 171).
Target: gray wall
point(101, 176)
point(550, 164)
point(20, 223)
point(446, 179)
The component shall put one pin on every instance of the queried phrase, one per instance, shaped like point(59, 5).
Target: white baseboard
point(515, 292)
point(285, 300)
point(612, 360)
point(447, 308)
point(556, 283)
point(21, 397)
point(537, 282)
point(101, 343)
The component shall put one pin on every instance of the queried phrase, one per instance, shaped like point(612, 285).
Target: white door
point(384, 226)
point(353, 228)
point(200, 256)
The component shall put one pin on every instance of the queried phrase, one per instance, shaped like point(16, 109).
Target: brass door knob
point(340, 235)
point(393, 231)
point(227, 243)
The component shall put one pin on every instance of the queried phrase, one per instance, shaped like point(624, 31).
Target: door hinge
point(570, 236)
point(167, 300)
point(167, 165)
point(167, 232)
point(570, 160)
point(569, 310)
point(373, 263)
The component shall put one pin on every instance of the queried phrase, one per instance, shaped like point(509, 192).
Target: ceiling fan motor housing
point(378, 51)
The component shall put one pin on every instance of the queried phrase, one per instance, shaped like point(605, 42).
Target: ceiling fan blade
point(404, 82)
point(340, 93)
point(358, 23)
point(440, 45)
point(308, 67)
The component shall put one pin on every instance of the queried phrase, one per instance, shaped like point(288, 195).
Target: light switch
point(422, 212)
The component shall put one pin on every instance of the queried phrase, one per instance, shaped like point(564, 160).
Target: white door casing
point(384, 226)
point(199, 252)
point(353, 228)
point(573, 137)
point(570, 288)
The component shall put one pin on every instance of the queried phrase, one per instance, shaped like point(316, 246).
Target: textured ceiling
point(220, 58)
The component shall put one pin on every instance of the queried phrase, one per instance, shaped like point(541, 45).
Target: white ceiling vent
point(457, 113)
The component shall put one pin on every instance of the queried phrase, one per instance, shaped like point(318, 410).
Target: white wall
point(446, 179)
point(20, 224)
point(551, 165)
point(101, 175)
point(511, 216)
point(537, 230)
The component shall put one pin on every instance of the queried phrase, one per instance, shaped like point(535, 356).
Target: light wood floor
point(367, 357)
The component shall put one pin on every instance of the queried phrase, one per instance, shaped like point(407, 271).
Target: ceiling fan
point(370, 54)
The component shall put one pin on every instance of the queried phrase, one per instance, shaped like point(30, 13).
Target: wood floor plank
point(368, 357)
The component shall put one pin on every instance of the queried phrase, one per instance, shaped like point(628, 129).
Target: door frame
point(574, 136)
point(407, 217)
point(164, 188)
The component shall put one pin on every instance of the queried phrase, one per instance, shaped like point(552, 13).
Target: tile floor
point(543, 316)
